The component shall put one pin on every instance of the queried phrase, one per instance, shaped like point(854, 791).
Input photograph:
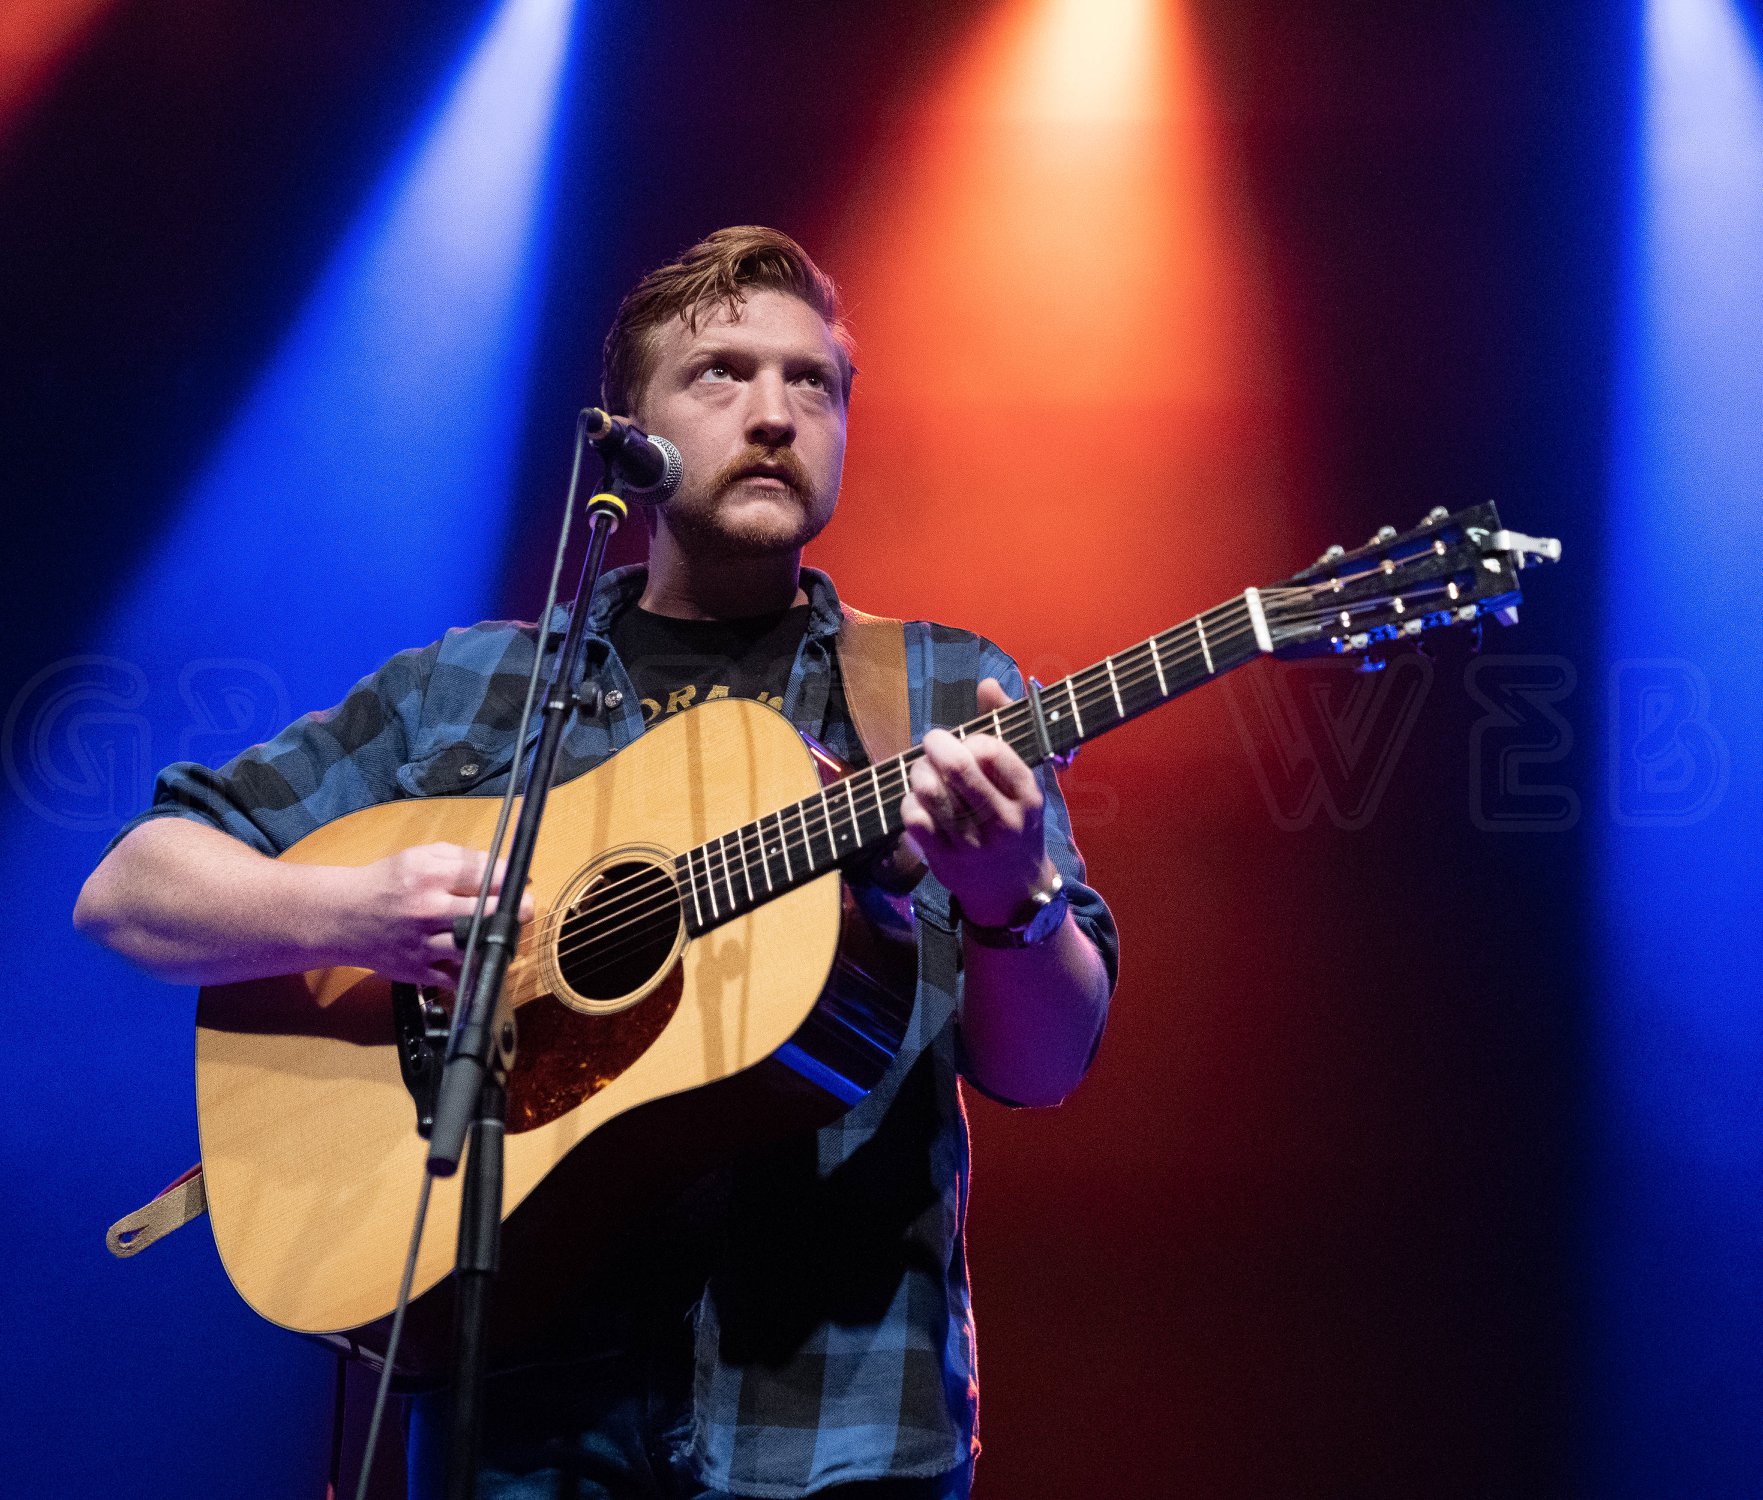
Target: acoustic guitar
point(698, 976)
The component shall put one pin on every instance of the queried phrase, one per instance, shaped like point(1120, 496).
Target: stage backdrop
point(1422, 1153)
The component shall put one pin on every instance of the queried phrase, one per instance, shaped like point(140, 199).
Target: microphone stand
point(472, 1097)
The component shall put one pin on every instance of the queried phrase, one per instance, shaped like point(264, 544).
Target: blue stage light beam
point(357, 504)
point(1676, 1251)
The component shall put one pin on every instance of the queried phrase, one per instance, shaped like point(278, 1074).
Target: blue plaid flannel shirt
point(835, 1344)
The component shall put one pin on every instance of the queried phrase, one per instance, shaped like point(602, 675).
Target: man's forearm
point(192, 905)
point(1029, 1016)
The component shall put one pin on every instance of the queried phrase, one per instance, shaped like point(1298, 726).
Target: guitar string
point(1093, 695)
point(670, 895)
point(662, 908)
point(661, 911)
point(753, 839)
point(1088, 699)
point(626, 918)
point(867, 802)
point(752, 836)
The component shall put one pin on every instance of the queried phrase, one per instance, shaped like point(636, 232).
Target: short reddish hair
point(718, 271)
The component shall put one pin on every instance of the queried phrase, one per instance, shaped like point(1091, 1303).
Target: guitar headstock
point(1451, 569)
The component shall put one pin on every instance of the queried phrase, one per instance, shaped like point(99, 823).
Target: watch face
point(1048, 920)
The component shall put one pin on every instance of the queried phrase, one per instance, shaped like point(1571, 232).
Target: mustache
point(778, 463)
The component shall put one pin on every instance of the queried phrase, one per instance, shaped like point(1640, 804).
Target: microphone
point(649, 466)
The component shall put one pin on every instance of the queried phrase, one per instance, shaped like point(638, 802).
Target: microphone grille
point(667, 485)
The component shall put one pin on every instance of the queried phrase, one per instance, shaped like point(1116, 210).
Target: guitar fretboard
point(749, 865)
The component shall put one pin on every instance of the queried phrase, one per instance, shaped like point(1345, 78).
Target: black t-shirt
point(676, 664)
point(661, 1261)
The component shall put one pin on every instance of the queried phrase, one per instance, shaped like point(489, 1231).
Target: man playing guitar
point(799, 1322)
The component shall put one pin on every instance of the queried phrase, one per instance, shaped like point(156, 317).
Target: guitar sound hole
point(620, 932)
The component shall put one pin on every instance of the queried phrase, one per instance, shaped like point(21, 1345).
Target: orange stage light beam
point(1050, 281)
point(1072, 427)
point(37, 37)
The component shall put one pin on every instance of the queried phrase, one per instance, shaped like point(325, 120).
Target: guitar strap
point(872, 664)
point(184, 1200)
point(872, 661)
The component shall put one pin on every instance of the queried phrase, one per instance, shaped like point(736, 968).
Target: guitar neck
point(750, 865)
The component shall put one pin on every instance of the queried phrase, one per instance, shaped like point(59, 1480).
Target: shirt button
point(614, 698)
point(469, 769)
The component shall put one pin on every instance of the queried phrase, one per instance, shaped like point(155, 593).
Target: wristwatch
point(1045, 915)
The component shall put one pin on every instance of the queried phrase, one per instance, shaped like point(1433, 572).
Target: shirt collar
point(622, 587)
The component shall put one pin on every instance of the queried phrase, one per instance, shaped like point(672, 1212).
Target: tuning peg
point(1333, 555)
point(1384, 534)
point(1524, 548)
point(1436, 514)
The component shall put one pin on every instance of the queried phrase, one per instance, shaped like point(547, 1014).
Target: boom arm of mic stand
point(484, 1039)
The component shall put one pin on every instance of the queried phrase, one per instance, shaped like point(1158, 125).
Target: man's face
point(755, 403)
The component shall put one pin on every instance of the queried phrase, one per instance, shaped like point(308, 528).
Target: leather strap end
point(184, 1200)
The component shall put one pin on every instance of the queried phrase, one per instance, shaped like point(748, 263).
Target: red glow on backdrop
point(36, 39)
point(1072, 408)
point(1060, 335)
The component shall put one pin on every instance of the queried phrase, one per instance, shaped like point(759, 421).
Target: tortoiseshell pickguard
point(564, 1056)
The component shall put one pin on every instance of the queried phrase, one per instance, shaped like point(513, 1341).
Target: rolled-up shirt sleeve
point(321, 766)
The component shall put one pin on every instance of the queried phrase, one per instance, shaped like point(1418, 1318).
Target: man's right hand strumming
point(406, 906)
point(193, 905)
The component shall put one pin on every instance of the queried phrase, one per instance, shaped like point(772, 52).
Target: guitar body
point(637, 1045)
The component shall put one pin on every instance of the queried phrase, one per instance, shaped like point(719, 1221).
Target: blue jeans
point(614, 1427)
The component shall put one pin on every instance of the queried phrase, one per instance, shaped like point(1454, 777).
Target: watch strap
point(1045, 917)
